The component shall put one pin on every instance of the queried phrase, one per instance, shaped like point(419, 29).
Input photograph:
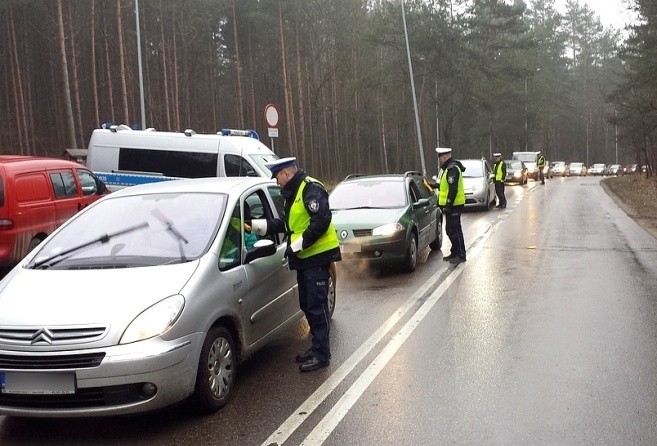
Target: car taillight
point(6, 224)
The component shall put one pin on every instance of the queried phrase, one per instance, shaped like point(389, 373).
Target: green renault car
point(386, 219)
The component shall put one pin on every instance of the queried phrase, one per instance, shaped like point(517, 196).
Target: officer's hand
point(289, 252)
point(447, 210)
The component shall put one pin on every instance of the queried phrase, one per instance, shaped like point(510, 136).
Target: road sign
point(271, 116)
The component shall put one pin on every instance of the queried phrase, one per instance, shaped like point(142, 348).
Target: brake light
point(6, 224)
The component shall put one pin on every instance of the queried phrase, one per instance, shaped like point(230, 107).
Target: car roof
point(21, 162)
point(226, 185)
point(378, 177)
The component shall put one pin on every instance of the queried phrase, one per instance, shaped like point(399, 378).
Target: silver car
point(478, 184)
point(149, 296)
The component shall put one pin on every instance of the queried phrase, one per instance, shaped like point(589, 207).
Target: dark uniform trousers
point(454, 231)
point(499, 191)
point(313, 301)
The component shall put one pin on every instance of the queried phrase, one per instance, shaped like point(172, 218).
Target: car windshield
point(528, 157)
point(576, 165)
point(598, 166)
point(142, 230)
point(368, 194)
point(514, 164)
point(473, 168)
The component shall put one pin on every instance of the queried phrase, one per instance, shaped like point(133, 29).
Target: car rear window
point(368, 194)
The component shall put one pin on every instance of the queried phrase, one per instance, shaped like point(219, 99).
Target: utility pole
point(141, 75)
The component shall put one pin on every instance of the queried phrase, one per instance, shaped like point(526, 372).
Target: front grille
point(50, 335)
point(49, 362)
point(83, 398)
point(362, 232)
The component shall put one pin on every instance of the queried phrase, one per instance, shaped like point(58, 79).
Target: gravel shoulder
point(637, 196)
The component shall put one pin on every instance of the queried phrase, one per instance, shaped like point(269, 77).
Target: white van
point(123, 157)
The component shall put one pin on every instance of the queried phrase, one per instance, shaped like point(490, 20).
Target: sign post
point(271, 118)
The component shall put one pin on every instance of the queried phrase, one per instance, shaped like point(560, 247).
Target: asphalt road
point(546, 335)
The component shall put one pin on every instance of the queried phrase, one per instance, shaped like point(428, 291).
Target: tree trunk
point(302, 118)
point(238, 73)
point(122, 72)
point(165, 73)
point(65, 80)
point(75, 82)
point(286, 87)
point(94, 77)
point(110, 88)
point(176, 91)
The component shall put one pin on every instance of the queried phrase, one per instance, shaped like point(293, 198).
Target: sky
point(611, 12)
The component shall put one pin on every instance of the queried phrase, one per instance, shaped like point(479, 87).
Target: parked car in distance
point(386, 219)
point(37, 195)
point(596, 169)
point(614, 169)
point(631, 168)
point(529, 158)
point(576, 169)
point(516, 172)
point(143, 299)
point(478, 183)
point(559, 168)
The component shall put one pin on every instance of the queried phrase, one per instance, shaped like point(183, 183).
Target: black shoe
point(305, 356)
point(449, 258)
point(312, 364)
point(457, 260)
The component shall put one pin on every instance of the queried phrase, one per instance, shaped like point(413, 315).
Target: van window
point(169, 163)
point(88, 182)
point(32, 187)
point(236, 166)
point(63, 184)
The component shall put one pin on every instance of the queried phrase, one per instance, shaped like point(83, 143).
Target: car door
point(272, 298)
point(421, 214)
point(67, 196)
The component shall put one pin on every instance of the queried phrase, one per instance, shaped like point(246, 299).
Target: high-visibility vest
point(540, 161)
point(444, 189)
point(298, 220)
point(498, 172)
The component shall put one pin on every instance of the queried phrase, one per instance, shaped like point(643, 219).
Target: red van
point(36, 196)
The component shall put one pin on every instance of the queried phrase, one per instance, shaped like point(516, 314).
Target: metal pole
point(616, 134)
point(417, 117)
point(526, 99)
point(141, 75)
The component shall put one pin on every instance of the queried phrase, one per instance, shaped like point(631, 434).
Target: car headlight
point(516, 175)
point(530, 169)
point(388, 229)
point(155, 320)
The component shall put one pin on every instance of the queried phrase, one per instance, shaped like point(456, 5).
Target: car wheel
point(438, 242)
point(33, 244)
point(217, 366)
point(410, 262)
point(332, 289)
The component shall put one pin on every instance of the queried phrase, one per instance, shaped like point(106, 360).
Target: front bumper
point(375, 250)
point(139, 377)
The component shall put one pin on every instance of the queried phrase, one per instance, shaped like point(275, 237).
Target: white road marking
point(331, 420)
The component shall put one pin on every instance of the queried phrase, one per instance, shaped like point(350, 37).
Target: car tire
point(332, 294)
point(438, 242)
point(410, 262)
point(33, 244)
point(217, 366)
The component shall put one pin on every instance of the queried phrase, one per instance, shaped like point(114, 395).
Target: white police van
point(124, 157)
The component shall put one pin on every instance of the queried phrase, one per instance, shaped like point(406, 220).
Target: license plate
point(349, 248)
point(34, 383)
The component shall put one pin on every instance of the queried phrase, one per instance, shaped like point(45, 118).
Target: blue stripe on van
point(129, 179)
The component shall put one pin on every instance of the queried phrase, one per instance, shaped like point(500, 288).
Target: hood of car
point(471, 184)
point(365, 218)
point(105, 297)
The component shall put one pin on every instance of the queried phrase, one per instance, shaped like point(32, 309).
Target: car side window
point(230, 254)
point(414, 192)
point(236, 166)
point(423, 187)
point(279, 204)
point(63, 184)
point(88, 182)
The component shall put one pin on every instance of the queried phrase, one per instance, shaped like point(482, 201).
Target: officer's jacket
point(452, 174)
point(315, 201)
point(500, 170)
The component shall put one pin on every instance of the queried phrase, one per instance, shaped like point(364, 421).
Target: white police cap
point(443, 150)
point(497, 154)
point(280, 164)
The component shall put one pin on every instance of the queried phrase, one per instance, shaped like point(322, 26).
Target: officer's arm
point(315, 199)
point(453, 183)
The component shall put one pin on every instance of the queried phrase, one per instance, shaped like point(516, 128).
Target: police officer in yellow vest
point(499, 169)
point(540, 165)
point(312, 246)
point(451, 199)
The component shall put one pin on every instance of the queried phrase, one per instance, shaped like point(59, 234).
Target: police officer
point(312, 247)
point(451, 199)
point(540, 165)
point(500, 175)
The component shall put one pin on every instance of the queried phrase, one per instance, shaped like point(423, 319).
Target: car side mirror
point(261, 248)
point(422, 202)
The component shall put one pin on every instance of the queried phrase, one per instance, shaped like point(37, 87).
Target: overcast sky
point(611, 12)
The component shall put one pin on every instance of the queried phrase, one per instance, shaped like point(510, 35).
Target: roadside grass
point(637, 196)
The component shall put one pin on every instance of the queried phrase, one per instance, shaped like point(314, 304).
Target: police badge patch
point(450, 180)
point(313, 206)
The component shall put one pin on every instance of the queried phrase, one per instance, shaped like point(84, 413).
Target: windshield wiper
point(175, 232)
point(102, 239)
